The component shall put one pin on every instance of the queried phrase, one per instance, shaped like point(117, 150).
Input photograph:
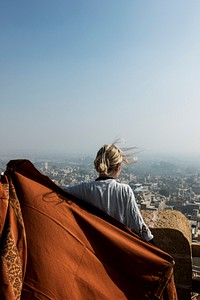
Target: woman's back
point(116, 199)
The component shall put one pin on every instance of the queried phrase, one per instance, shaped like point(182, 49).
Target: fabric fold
point(74, 251)
point(12, 242)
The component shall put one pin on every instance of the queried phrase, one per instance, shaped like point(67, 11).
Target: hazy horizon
point(78, 74)
point(141, 157)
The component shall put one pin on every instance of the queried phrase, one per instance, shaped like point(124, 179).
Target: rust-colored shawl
point(57, 247)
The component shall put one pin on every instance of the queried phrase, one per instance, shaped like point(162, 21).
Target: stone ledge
point(172, 234)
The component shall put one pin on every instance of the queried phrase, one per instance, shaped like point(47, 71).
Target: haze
point(77, 74)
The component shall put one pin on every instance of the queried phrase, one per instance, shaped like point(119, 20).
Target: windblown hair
point(108, 158)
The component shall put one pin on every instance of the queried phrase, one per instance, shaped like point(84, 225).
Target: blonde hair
point(108, 158)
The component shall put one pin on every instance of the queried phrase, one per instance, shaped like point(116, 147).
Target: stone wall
point(172, 233)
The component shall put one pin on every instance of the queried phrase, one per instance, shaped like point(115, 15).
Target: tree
point(164, 192)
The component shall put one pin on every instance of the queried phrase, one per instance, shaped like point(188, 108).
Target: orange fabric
point(12, 243)
point(75, 251)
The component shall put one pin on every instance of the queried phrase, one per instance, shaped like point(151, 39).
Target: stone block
point(172, 233)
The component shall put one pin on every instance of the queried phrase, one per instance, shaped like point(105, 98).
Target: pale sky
point(77, 74)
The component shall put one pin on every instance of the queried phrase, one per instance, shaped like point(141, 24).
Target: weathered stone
point(172, 233)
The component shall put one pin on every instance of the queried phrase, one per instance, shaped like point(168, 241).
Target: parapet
point(172, 234)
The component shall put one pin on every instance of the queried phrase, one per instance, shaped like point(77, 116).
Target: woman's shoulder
point(123, 186)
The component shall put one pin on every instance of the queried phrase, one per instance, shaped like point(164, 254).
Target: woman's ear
point(118, 169)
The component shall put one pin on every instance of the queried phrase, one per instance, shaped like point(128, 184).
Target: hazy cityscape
point(157, 184)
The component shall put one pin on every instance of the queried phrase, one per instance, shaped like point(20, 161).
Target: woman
point(114, 198)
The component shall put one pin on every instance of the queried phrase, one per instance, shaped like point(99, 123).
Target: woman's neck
point(104, 177)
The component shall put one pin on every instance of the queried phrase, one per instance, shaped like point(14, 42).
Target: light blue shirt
point(117, 200)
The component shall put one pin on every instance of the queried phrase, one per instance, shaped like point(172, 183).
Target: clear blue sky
point(77, 74)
